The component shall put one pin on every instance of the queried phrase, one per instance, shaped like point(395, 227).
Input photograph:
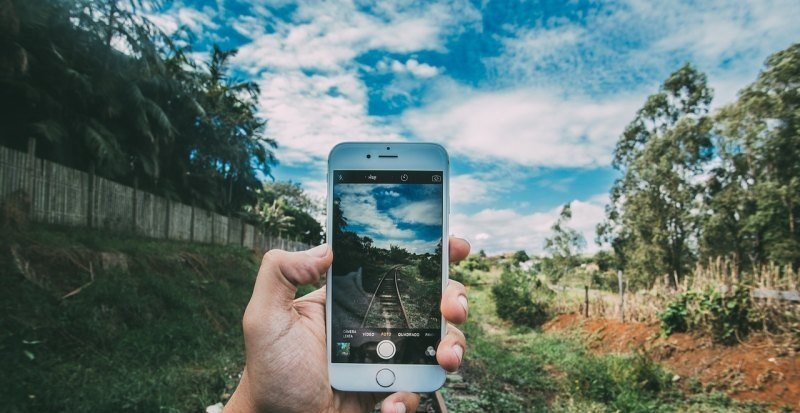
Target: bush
point(463, 276)
point(673, 318)
point(521, 299)
point(430, 267)
point(624, 383)
point(725, 317)
point(605, 280)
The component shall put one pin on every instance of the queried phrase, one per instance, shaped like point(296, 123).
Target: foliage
point(725, 317)
point(564, 245)
point(470, 270)
point(285, 209)
point(522, 299)
point(626, 383)
point(604, 280)
point(674, 317)
point(650, 221)
point(527, 370)
point(753, 196)
point(520, 257)
point(430, 267)
point(100, 87)
point(163, 335)
point(672, 205)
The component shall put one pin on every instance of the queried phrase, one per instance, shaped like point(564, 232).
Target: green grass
point(515, 369)
point(164, 335)
point(420, 297)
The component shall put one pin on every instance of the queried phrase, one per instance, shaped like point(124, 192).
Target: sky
point(405, 215)
point(528, 97)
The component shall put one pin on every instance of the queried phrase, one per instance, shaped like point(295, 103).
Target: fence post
point(135, 196)
point(31, 171)
point(621, 296)
point(191, 225)
point(213, 232)
point(586, 301)
point(166, 219)
point(228, 232)
point(90, 195)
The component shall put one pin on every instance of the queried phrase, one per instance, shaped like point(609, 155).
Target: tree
point(753, 197)
point(99, 86)
point(520, 257)
point(564, 246)
point(298, 205)
point(652, 222)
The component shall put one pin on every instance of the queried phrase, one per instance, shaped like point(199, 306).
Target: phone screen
point(387, 266)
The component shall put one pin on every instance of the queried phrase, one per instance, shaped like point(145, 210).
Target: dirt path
point(754, 370)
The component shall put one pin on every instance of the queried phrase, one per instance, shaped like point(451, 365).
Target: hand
point(285, 348)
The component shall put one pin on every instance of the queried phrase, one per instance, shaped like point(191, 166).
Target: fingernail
point(459, 352)
point(319, 251)
point(399, 408)
point(463, 301)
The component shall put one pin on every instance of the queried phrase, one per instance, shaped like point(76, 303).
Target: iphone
point(387, 225)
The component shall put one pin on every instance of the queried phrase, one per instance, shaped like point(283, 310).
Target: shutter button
point(386, 349)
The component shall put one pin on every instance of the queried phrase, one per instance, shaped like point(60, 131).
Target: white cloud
point(309, 114)
point(639, 42)
point(328, 35)
point(412, 67)
point(197, 21)
point(421, 212)
point(360, 208)
point(530, 127)
point(501, 230)
point(312, 94)
point(715, 31)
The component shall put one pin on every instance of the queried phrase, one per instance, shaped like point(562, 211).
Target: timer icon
point(404, 177)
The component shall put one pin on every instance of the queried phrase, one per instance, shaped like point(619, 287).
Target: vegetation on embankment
point(98, 322)
point(519, 369)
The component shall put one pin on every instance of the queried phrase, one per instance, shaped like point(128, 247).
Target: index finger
point(459, 249)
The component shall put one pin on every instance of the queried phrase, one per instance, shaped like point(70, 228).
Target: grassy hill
point(93, 322)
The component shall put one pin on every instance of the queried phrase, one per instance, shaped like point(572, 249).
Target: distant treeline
point(99, 87)
point(698, 185)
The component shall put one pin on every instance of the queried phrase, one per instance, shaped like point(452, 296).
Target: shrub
point(462, 275)
point(624, 383)
point(673, 318)
point(429, 267)
point(725, 316)
point(521, 299)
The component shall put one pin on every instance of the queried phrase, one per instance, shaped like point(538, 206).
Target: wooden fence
point(61, 195)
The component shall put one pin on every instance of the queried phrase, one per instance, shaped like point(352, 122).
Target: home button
point(385, 377)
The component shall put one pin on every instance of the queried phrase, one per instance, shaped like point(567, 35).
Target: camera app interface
point(387, 266)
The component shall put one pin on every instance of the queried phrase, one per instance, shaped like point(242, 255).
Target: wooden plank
point(64, 195)
point(776, 294)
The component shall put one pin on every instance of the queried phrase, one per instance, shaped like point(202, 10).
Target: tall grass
point(160, 332)
point(779, 319)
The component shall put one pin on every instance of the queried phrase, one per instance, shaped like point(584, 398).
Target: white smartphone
point(387, 225)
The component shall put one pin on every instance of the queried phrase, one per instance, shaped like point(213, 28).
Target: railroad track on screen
point(386, 303)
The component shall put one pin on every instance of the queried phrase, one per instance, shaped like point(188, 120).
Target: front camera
point(369, 156)
point(387, 148)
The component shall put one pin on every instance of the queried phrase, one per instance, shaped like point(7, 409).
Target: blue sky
point(528, 97)
point(405, 215)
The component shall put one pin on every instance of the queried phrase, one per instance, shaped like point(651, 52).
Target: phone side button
point(385, 377)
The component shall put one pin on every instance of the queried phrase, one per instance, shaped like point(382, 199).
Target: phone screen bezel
point(410, 157)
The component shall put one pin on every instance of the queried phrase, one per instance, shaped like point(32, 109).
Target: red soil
point(755, 370)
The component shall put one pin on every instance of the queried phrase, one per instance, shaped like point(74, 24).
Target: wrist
point(241, 400)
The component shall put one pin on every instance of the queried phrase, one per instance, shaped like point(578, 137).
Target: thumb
point(280, 274)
